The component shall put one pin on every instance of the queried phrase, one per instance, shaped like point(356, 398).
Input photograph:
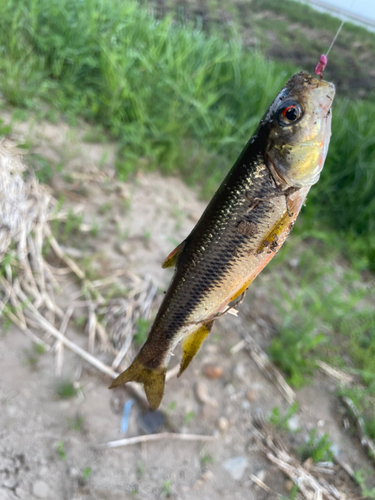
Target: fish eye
point(289, 113)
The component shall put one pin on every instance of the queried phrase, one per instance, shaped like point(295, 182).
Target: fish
point(241, 230)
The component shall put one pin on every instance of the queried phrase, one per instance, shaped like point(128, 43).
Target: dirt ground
point(49, 447)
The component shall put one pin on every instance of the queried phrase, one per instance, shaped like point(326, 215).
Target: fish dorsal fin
point(172, 258)
point(191, 345)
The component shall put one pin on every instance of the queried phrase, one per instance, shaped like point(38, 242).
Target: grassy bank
point(289, 31)
point(178, 99)
point(325, 313)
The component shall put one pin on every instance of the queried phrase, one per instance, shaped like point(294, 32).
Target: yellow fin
point(172, 258)
point(241, 290)
point(153, 380)
point(191, 345)
point(276, 237)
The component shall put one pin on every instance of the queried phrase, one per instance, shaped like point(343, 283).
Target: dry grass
point(29, 283)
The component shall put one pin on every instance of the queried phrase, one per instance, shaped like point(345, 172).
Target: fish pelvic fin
point(191, 345)
point(172, 258)
point(152, 378)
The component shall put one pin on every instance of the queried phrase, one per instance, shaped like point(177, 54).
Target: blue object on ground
point(126, 415)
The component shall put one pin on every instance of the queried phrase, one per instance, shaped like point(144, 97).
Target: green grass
point(143, 327)
point(288, 31)
point(207, 459)
point(154, 85)
point(282, 421)
point(321, 298)
point(326, 312)
point(61, 450)
point(167, 486)
point(65, 389)
point(32, 355)
point(77, 423)
point(44, 170)
point(363, 396)
point(86, 473)
point(361, 477)
point(189, 417)
point(65, 230)
point(317, 448)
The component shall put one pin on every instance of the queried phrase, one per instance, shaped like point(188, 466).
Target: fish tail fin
point(191, 345)
point(153, 380)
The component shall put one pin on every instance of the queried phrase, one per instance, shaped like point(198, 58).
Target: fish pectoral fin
point(172, 258)
point(153, 380)
point(191, 345)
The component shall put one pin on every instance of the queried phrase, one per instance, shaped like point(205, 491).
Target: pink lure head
point(321, 65)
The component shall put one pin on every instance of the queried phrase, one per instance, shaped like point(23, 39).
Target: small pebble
point(288, 485)
point(74, 472)
point(335, 450)
point(308, 463)
point(239, 372)
point(245, 405)
point(236, 467)
point(261, 475)
point(12, 411)
point(123, 248)
point(40, 489)
point(208, 475)
point(124, 192)
point(294, 423)
point(222, 424)
point(251, 395)
point(320, 423)
point(212, 371)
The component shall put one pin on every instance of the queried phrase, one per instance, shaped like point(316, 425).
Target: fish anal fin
point(191, 345)
point(153, 380)
point(172, 258)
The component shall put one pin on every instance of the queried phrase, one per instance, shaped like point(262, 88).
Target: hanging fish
point(242, 228)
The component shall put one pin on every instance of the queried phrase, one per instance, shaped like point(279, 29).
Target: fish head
point(299, 124)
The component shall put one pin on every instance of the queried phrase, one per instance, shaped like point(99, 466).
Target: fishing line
point(335, 37)
point(323, 58)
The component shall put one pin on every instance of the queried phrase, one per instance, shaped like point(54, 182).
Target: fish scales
point(215, 252)
point(241, 229)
